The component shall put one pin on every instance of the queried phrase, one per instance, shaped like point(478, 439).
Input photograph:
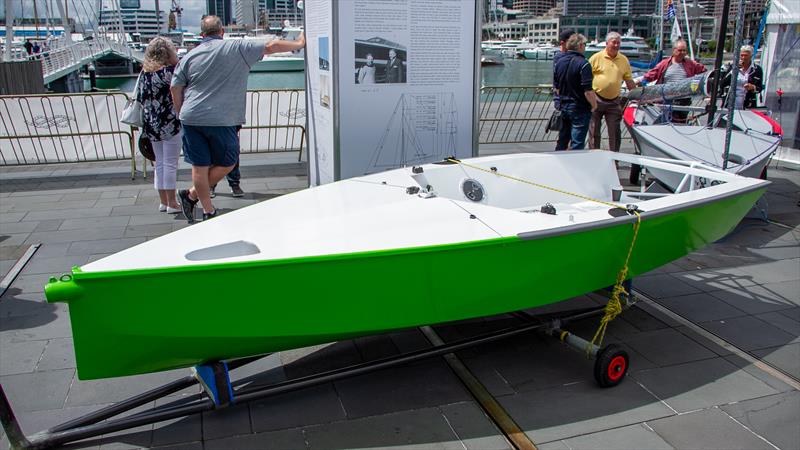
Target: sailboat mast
point(35, 19)
point(723, 30)
point(689, 38)
point(62, 11)
point(158, 19)
point(661, 27)
point(9, 29)
point(737, 47)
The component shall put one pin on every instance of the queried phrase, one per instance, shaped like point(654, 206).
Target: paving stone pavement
point(683, 390)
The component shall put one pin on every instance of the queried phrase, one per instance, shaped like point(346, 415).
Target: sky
point(193, 10)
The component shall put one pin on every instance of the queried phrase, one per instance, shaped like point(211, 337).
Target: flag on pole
point(670, 10)
point(676, 31)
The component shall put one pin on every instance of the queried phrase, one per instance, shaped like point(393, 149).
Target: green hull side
point(134, 322)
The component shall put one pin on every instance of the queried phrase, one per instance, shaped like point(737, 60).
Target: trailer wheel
point(636, 170)
point(610, 366)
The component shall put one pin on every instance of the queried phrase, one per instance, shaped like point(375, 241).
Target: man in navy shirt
point(563, 37)
point(572, 79)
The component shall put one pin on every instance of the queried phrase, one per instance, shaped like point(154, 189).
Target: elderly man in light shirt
point(609, 69)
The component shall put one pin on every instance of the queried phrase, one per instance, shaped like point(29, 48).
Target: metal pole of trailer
point(141, 399)
point(737, 47)
point(723, 30)
point(83, 428)
point(250, 394)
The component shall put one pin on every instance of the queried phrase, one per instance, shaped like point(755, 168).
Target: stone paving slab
point(580, 408)
point(679, 381)
point(774, 417)
point(709, 428)
point(701, 384)
point(426, 428)
point(631, 437)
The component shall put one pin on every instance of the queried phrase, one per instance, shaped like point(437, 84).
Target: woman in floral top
point(161, 124)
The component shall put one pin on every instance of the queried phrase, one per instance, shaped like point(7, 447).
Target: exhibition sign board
point(390, 84)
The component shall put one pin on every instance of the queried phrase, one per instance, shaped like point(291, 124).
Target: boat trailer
point(218, 392)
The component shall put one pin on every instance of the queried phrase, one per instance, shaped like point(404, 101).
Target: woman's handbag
point(132, 114)
point(146, 148)
point(555, 122)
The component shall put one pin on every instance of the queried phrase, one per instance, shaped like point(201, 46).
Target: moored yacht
point(634, 47)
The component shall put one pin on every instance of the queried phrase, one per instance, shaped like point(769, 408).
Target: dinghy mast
point(723, 29)
point(737, 47)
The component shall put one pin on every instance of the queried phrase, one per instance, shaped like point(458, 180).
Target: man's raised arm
point(282, 45)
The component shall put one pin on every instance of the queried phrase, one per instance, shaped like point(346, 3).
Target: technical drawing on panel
point(422, 129)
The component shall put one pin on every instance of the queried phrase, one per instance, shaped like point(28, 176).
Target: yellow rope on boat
point(614, 305)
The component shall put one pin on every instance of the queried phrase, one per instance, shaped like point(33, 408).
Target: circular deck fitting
point(473, 190)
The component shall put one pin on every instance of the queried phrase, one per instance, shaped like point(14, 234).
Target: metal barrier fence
point(512, 114)
point(516, 114)
point(64, 128)
point(275, 122)
point(58, 128)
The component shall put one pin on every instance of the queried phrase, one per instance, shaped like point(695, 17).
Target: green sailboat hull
point(131, 322)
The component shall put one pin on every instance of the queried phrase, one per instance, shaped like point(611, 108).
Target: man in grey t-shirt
point(209, 89)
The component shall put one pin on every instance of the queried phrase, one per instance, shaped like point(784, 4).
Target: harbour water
point(514, 72)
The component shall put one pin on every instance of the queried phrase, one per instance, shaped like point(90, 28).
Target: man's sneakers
point(187, 204)
point(236, 191)
point(210, 215)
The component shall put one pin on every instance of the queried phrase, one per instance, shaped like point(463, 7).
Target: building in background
point(609, 7)
point(714, 7)
point(506, 30)
point(221, 9)
point(278, 11)
point(596, 27)
point(145, 22)
point(543, 31)
point(534, 8)
point(246, 13)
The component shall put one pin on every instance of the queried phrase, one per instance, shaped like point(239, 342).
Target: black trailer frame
point(610, 367)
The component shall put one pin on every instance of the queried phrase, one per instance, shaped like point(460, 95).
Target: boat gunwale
point(78, 274)
point(645, 215)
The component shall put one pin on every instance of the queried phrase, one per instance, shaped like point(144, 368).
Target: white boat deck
point(375, 212)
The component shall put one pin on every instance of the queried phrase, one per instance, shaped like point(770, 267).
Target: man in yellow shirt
point(609, 69)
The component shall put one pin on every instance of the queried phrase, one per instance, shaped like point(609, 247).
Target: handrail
point(61, 55)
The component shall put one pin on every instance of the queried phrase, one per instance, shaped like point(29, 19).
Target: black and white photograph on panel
point(380, 60)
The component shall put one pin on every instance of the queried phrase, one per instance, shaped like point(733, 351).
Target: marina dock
point(714, 340)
